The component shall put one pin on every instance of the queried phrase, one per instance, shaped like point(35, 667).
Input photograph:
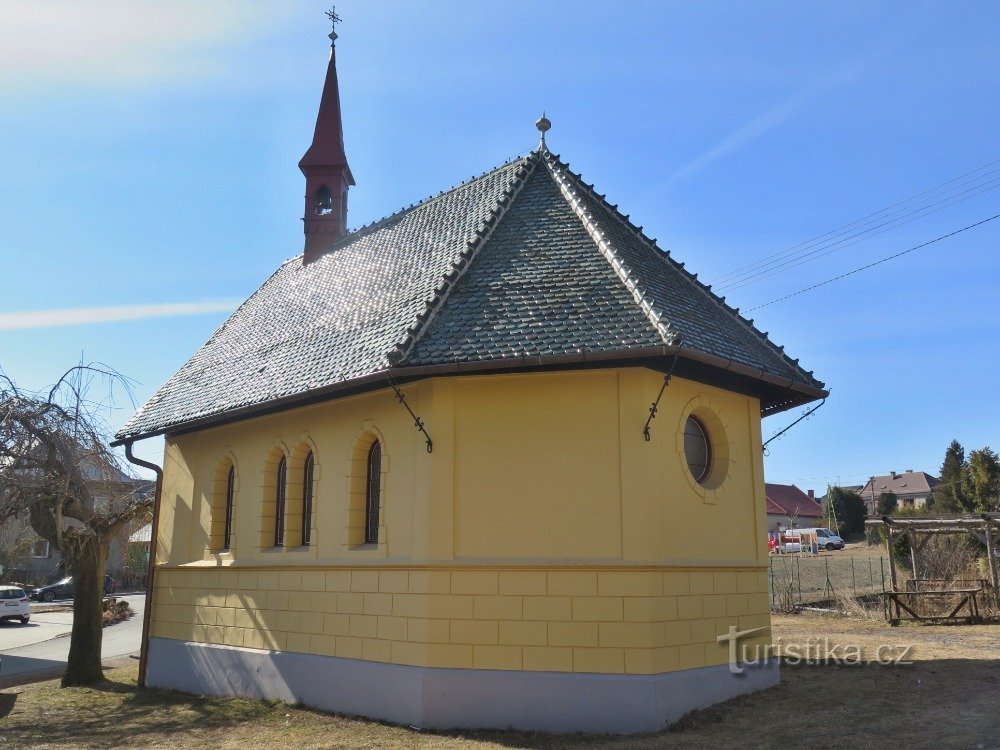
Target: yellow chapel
point(491, 461)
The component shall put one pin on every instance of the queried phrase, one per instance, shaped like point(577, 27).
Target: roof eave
point(520, 362)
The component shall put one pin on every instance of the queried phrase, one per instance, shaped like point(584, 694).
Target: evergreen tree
point(981, 481)
point(850, 510)
point(887, 503)
point(948, 496)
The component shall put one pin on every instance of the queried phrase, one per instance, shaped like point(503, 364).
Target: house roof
point(789, 500)
point(523, 266)
point(907, 483)
point(142, 534)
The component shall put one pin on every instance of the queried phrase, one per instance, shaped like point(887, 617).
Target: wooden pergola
point(919, 530)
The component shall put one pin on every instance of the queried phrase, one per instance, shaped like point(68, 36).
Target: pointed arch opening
point(373, 492)
point(280, 495)
point(366, 523)
point(274, 497)
point(223, 506)
point(308, 475)
point(302, 474)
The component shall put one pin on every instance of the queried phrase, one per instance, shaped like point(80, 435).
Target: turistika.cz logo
point(813, 651)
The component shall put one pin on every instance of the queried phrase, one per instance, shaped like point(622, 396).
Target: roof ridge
point(666, 257)
point(361, 231)
point(620, 267)
point(462, 261)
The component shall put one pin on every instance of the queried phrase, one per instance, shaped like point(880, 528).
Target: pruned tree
point(57, 470)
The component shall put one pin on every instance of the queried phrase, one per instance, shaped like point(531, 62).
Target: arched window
point(279, 503)
point(373, 493)
point(227, 533)
point(324, 201)
point(307, 499)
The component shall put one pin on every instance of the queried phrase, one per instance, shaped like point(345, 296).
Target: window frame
point(48, 549)
point(705, 436)
point(227, 529)
point(373, 491)
point(308, 480)
point(280, 501)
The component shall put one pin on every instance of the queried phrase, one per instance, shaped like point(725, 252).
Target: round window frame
point(714, 417)
point(706, 436)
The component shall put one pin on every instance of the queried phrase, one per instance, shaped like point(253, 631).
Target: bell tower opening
point(324, 201)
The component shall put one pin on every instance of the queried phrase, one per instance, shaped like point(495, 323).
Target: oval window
point(697, 449)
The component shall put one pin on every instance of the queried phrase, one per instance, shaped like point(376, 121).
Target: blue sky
point(148, 158)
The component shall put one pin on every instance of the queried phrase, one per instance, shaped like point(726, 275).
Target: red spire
point(324, 165)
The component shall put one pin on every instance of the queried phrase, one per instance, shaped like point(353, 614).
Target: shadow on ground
point(940, 703)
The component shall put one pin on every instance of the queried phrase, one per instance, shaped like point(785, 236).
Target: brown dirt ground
point(948, 697)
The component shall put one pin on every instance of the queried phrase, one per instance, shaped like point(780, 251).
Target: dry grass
point(947, 698)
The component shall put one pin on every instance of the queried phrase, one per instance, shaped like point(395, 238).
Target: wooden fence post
point(991, 557)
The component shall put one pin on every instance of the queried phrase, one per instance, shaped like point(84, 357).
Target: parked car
point(14, 604)
point(64, 589)
point(826, 538)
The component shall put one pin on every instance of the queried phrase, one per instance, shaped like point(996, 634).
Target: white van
point(14, 604)
point(826, 538)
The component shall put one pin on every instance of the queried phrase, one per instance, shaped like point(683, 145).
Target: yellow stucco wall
point(543, 532)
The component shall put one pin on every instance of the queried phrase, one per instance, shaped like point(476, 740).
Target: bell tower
point(324, 165)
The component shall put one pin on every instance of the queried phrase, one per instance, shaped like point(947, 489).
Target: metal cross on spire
point(334, 20)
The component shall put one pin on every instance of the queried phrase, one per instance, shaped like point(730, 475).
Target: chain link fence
point(797, 580)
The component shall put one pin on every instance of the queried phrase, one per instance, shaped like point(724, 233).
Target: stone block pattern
point(603, 620)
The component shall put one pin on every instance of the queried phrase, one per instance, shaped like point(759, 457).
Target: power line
point(875, 263)
point(824, 250)
point(863, 219)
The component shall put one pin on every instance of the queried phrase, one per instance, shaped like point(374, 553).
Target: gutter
point(148, 610)
point(459, 368)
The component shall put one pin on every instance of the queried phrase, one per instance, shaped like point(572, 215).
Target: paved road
point(43, 626)
point(46, 652)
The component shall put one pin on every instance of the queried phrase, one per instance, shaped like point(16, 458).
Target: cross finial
point(334, 20)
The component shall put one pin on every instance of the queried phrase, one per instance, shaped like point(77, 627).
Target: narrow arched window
point(279, 504)
point(307, 500)
point(227, 533)
point(324, 201)
point(373, 492)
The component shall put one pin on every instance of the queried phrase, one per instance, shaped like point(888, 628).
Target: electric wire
point(824, 250)
point(874, 263)
point(875, 216)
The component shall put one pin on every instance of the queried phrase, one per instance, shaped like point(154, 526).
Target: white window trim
point(48, 550)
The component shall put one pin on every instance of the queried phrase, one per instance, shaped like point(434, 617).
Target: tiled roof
point(524, 261)
point(788, 500)
point(907, 483)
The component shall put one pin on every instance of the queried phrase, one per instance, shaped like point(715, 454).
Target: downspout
point(147, 612)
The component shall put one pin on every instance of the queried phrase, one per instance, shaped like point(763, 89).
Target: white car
point(14, 604)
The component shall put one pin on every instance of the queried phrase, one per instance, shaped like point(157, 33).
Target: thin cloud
point(80, 316)
point(769, 120)
point(123, 42)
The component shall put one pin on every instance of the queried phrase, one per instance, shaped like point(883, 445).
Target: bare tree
point(57, 470)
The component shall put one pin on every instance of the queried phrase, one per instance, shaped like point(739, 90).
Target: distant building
point(789, 507)
point(913, 489)
point(31, 559)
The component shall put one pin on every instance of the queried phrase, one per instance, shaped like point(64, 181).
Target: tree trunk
point(87, 568)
